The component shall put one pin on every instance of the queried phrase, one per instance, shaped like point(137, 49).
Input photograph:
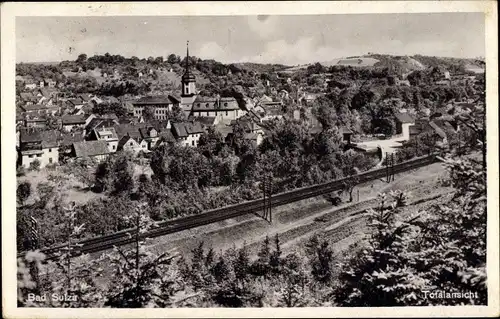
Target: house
point(85, 97)
point(76, 103)
point(129, 144)
point(251, 131)
point(50, 83)
point(160, 106)
point(130, 138)
point(225, 109)
point(72, 122)
point(187, 133)
point(101, 121)
point(66, 141)
point(30, 85)
point(151, 135)
point(425, 126)
point(271, 114)
point(40, 109)
point(28, 98)
point(346, 134)
point(37, 145)
point(35, 121)
point(94, 150)
point(107, 134)
point(47, 92)
point(403, 123)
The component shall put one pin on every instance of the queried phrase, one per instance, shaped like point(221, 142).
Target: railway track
point(121, 238)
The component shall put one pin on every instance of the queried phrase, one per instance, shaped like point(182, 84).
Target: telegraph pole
point(389, 167)
point(34, 241)
point(267, 189)
point(392, 166)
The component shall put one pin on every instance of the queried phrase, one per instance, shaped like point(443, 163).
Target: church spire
point(187, 56)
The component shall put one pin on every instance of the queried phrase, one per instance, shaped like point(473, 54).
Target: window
point(192, 143)
point(227, 113)
point(38, 155)
point(130, 143)
point(225, 104)
point(113, 147)
point(207, 105)
point(50, 150)
point(31, 156)
point(50, 160)
point(208, 113)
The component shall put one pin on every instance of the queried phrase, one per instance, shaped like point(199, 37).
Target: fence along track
point(219, 214)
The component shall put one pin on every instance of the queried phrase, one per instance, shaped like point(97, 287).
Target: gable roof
point(208, 103)
point(46, 138)
point(183, 129)
point(106, 131)
point(206, 120)
point(28, 97)
point(70, 138)
point(85, 97)
point(159, 99)
point(179, 129)
point(131, 130)
point(75, 101)
point(124, 140)
point(90, 148)
point(167, 136)
point(39, 107)
point(404, 118)
point(73, 119)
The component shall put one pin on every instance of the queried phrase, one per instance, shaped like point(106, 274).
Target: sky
point(290, 40)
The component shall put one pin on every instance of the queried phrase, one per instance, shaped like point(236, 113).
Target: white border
point(10, 10)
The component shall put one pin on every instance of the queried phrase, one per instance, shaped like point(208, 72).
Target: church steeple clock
point(188, 81)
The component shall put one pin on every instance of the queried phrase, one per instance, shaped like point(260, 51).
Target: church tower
point(188, 81)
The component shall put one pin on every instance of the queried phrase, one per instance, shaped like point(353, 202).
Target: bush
point(20, 171)
point(35, 165)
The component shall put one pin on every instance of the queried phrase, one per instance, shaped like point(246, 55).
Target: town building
point(107, 134)
point(93, 150)
point(403, 123)
point(74, 122)
point(188, 85)
point(160, 106)
point(187, 133)
point(50, 83)
point(36, 145)
point(225, 109)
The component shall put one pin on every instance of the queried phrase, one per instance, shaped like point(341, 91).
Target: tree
point(35, 165)
point(109, 108)
point(378, 275)
point(123, 172)
point(140, 278)
point(23, 192)
point(320, 259)
point(261, 266)
point(81, 58)
point(102, 175)
point(172, 59)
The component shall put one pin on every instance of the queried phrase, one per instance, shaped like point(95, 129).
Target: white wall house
point(41, 146)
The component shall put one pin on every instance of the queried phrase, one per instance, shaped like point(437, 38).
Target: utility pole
point(267, 189)
point(34, 240)
point(389, 167)
point(392, 166)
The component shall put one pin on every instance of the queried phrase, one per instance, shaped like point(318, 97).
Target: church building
point(224, 109)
